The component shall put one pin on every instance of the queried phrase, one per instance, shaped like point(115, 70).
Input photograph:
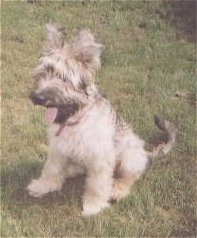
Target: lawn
point(148, 67)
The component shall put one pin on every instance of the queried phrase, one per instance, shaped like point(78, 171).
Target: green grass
point(143, 66)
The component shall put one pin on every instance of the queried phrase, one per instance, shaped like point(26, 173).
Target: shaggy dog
point(85, 134)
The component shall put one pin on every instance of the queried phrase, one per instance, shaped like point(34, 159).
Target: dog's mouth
point(60, 115)
point(58, 110)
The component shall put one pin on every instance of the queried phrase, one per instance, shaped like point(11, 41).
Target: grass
point(144, 64)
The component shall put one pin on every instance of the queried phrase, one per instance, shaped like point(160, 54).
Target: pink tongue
point(50, 114)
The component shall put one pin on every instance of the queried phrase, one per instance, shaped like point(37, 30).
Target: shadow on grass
point(15, 179)
point(182, 15)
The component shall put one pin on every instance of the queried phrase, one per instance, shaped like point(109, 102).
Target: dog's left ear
point(86, 49)
point(55, 36)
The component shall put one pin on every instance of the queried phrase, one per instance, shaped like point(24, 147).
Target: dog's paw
point(38, 187)
point(90, 209)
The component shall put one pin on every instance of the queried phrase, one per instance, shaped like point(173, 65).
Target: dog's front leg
point(97, 190)
point(52, 176)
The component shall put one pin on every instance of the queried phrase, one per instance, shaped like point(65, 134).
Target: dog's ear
point(55, 36)
point(86, 49)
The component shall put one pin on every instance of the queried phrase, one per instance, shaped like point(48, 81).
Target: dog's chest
point(83, 142)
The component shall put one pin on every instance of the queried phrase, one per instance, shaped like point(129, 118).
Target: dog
point(85, 134)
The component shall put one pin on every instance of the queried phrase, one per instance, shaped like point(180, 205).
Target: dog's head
point(65, 74)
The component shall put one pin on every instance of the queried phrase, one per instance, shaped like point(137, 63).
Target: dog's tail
point(164, 146)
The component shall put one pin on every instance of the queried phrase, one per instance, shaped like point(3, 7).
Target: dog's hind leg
point(52, 177)
point(128, 170)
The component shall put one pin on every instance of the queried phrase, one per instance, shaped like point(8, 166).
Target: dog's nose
point(37, 98)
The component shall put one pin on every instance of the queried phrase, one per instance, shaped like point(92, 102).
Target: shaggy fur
point(85, 134)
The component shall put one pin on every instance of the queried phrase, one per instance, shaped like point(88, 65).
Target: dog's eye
point(39, 75)
point(50, 69)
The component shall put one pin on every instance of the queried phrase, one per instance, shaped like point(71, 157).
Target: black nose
point(37, 98)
